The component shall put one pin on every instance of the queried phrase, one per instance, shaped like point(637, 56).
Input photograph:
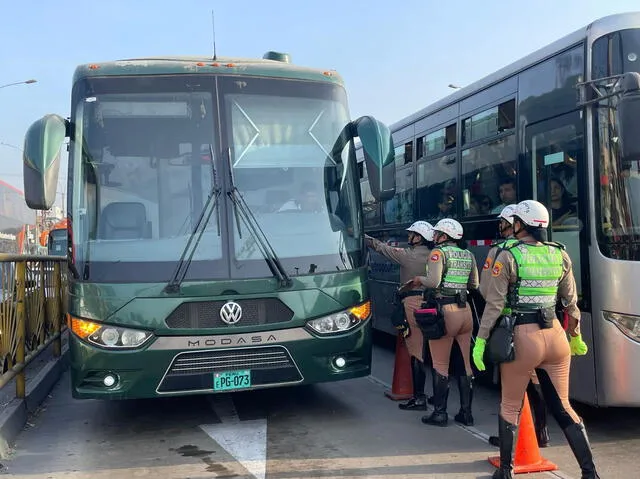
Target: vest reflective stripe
point(539, 272)
point(457, 268)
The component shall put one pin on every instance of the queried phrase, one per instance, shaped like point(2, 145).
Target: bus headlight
point(107, 336)
point(628, 324)
point(341, 321)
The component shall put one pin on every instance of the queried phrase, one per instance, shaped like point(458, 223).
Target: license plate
point(228, 380)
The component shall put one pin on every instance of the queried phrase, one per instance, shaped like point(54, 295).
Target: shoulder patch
point(435, 255)
point(487, 264)
point(497, 269)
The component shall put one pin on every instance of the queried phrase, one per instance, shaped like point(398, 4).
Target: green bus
point(215, 224)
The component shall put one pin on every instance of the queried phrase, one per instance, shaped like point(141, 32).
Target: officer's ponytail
point(462, 243)
point(539, 234)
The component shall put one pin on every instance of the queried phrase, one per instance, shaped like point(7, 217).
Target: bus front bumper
point(185, 365)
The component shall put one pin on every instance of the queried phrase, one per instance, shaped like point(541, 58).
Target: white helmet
point(507, 213)
point(532, 213)
point(423, 228)
point(449, 226)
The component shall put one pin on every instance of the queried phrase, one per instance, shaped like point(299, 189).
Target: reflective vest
point(539, 269)
point(457, 268)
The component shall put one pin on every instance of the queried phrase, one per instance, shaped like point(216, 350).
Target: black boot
point(465, 388)
point(507, 432)
point(419, 401)
point(441, 394)
point(539, 410)
point(579, 442)
point(494, 441)
point(433, 386)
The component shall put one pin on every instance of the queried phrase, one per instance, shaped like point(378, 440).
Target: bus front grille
point(206, 314)
point(194, 370)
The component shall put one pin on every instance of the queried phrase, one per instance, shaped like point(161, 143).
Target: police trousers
point(415, 341)
point(546, 353)
point(459, 326)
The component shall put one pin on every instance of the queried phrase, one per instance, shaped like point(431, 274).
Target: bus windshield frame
point(279, 134)
point(618, 190)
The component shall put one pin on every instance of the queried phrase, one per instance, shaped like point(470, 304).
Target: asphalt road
point(335, 430)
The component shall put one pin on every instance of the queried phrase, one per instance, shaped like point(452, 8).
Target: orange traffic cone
point(527, 457)
point(402, 387)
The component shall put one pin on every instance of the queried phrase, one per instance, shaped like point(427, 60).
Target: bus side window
point(489, 177)
point(437, 188)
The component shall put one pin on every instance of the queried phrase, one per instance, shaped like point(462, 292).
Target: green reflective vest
point(539, 269)
point(457, 268)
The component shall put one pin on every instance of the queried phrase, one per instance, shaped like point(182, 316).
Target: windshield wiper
point(212, 201)
point(240, 206)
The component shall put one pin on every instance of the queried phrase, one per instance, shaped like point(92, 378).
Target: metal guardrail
point(33, 304)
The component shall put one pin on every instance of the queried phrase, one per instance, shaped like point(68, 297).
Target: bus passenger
point(412, 261)
point(507, 192)
point(534, 392)
point(451, 271)
point(527, 278)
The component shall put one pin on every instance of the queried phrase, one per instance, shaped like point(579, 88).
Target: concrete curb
point(14, 417)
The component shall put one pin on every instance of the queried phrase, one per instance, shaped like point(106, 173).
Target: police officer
point(412, 261)
point(526, 278)
point(451, 271)
point(534, 392)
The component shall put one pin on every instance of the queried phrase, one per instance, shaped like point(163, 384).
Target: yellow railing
point(33, 304)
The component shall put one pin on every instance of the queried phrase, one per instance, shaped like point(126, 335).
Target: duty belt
point(410, 293)
point(527, 317)
point(444, 300)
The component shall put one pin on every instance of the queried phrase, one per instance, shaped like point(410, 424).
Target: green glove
point(578, 346)
point(478, 353)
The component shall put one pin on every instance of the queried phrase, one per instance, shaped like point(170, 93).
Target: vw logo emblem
point(231, 312)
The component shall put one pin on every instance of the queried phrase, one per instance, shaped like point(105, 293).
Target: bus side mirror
point(377, 145)
point(627, 113)
point(41, 161)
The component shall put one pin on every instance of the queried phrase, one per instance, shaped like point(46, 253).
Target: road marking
point(474, 432)
point(246, 441)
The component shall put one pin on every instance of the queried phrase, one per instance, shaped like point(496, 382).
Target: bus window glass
point(370, 208)
point(489, 177)
point(399, 209)
point(493, 121)
point(437, 188)
point(556, 155)
point(618, 195)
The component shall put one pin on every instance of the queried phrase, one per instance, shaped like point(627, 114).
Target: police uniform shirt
point(485, 274)
point(503, 274)
point(435, 267)
point(412, 260)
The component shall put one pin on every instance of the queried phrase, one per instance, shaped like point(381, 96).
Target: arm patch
point(497, 269)
point(435, 255)
point(487, 263)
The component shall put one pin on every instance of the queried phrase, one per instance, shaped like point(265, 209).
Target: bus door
point(555, 156)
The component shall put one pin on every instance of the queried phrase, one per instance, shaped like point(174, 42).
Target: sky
point(395, 57)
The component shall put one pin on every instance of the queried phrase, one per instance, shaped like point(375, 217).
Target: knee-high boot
point(507, 437)
point(576, 435)
point(419, 401)
point(433, 386)
point(441, 394)
point(539, 410)
point(465, 388)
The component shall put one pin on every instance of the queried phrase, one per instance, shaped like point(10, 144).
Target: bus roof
point(273, 64)
point(597, 28)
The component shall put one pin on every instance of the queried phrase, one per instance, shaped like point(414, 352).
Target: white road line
point(473, 431)
point(246, 441)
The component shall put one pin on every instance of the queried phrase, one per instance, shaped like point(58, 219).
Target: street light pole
point(25, 82)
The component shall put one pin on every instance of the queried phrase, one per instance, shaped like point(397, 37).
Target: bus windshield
point(619, 191)
point(142, 171)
